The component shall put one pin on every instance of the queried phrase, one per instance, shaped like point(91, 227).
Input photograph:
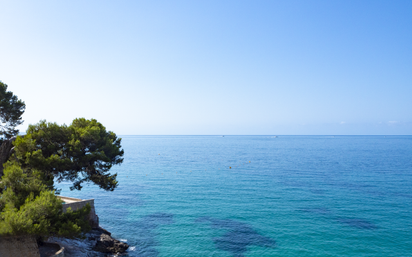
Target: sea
point(260, 196)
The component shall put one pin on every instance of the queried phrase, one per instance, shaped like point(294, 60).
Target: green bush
point(27, 207)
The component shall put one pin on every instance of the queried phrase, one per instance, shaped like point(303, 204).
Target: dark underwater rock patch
point(238, 237)
point(352, 222)
point(358, 223)
point(145, 232)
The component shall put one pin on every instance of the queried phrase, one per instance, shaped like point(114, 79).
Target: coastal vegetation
point(29, 208)
point(82, 152)
point(30, 164)
point(11, 110)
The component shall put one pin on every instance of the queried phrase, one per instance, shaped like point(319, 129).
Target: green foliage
point(81, 152)
point(27, 207)
point(11, 110)
point(17, 186)
point(73, 222)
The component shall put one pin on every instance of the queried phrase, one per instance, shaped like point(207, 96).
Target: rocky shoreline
point(98, 243)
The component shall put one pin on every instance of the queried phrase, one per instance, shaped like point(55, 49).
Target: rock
point(49, 249)
point(95, 233)
point(77, 247)
point(103, 231)
point(106, 244)
point(98, 243)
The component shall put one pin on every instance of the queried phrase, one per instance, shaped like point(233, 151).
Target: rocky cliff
point(98, 242)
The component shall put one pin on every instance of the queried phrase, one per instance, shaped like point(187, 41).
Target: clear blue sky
point(213, 67)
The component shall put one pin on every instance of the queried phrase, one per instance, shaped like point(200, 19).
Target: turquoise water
point(282, 196)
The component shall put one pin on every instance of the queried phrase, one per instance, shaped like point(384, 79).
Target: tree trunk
point(6, 149)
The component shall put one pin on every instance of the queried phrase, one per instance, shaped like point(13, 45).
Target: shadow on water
point(357, 223)
point(145, 232)
point(352, 222)
point(238, 237)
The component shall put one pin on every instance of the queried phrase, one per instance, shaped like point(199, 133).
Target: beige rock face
point(18, 246)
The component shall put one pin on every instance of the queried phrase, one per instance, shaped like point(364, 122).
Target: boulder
point(106, 244)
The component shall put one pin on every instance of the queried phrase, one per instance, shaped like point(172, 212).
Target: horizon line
point(266, 135)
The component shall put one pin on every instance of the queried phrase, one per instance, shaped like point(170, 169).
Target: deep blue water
point(260, 196)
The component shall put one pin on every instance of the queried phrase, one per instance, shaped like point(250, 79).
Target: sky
point(212, 67)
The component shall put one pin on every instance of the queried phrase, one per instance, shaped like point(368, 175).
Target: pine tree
point(11, 110)
point(82, 152)
point(27, 207)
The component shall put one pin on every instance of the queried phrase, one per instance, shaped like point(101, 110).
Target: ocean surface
point(260, 196)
